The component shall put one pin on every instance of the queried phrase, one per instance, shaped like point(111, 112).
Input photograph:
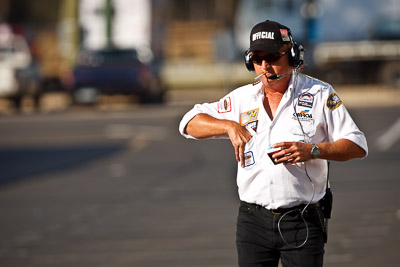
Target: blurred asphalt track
point(115, 185)
point(353, 96)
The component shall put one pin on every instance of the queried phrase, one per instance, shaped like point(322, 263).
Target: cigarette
point(259, 76)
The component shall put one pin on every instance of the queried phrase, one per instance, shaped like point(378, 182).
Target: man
point(304, 120)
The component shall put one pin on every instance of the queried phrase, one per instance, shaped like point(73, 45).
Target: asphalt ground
point(354, 96)
point(116, 185)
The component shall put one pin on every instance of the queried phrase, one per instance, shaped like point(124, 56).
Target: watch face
point(315, 152)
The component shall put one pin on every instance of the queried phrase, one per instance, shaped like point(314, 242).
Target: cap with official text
point(269, 36)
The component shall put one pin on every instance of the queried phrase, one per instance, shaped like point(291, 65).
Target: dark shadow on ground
point(20, 163)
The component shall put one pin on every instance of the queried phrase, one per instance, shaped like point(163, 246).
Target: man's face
point(270, 64)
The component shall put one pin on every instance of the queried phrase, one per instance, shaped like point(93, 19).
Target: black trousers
point(259, 242)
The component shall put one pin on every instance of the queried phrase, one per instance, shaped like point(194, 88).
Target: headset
point(296, 55)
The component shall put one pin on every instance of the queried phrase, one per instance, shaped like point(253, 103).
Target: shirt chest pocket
point(302, 131)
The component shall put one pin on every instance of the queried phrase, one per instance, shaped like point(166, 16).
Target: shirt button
point(272, 201)
point(271, 182)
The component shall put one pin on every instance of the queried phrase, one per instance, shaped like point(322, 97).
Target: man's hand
point(205, 126)
point(340, 150)
point(239, 137)
point(292, 152)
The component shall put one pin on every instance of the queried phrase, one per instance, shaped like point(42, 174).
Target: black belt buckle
point(280, 211)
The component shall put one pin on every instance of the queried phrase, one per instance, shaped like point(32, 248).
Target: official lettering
point(263, 35)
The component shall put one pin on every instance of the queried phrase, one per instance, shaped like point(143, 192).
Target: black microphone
point(275, 76)
point(278, 76)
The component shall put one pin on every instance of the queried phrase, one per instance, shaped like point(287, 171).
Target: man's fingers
point(239, 136)
point(237, 153)
point(282, 153)
point(241, 154)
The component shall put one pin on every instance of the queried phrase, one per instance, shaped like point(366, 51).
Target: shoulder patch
point(333, 101)
point(225, 105)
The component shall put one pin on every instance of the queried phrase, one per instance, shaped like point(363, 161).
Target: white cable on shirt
point(296, 73)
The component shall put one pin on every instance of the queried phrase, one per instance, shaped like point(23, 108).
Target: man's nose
point(265, 64)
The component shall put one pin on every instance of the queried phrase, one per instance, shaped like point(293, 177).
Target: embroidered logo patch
point(253, 125)
point(306, 100)
point(225, 105)
point(285, 35)
point(248, 159)
point(333, 101)
point(248, 116)
point(304, 115)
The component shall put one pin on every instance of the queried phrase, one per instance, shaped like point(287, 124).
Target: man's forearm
point(340, 150)
point(205, 126)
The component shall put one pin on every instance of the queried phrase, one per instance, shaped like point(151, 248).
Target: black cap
point(269, 36)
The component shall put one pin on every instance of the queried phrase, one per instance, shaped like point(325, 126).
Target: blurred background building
point(201, 43)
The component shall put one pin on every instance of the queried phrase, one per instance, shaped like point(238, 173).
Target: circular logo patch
point(333, 101)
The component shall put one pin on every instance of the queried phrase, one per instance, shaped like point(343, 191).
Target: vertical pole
point(312, 10)
point(109, 17)
point(69, 40)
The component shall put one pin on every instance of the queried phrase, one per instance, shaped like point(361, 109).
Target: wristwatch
point(315, 151)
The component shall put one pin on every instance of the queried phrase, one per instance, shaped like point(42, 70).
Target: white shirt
point(323, 118)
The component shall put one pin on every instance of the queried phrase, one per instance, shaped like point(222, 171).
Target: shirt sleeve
point(222, 109)
point(340, 124)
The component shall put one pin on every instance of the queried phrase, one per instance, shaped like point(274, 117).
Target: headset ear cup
point(248, 60)
point(296, 56)
point(292, 55)
point(301, 56)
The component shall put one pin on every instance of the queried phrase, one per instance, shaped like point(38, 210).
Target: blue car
point(112, 72)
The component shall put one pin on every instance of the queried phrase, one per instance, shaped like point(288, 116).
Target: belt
point(280, 211)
